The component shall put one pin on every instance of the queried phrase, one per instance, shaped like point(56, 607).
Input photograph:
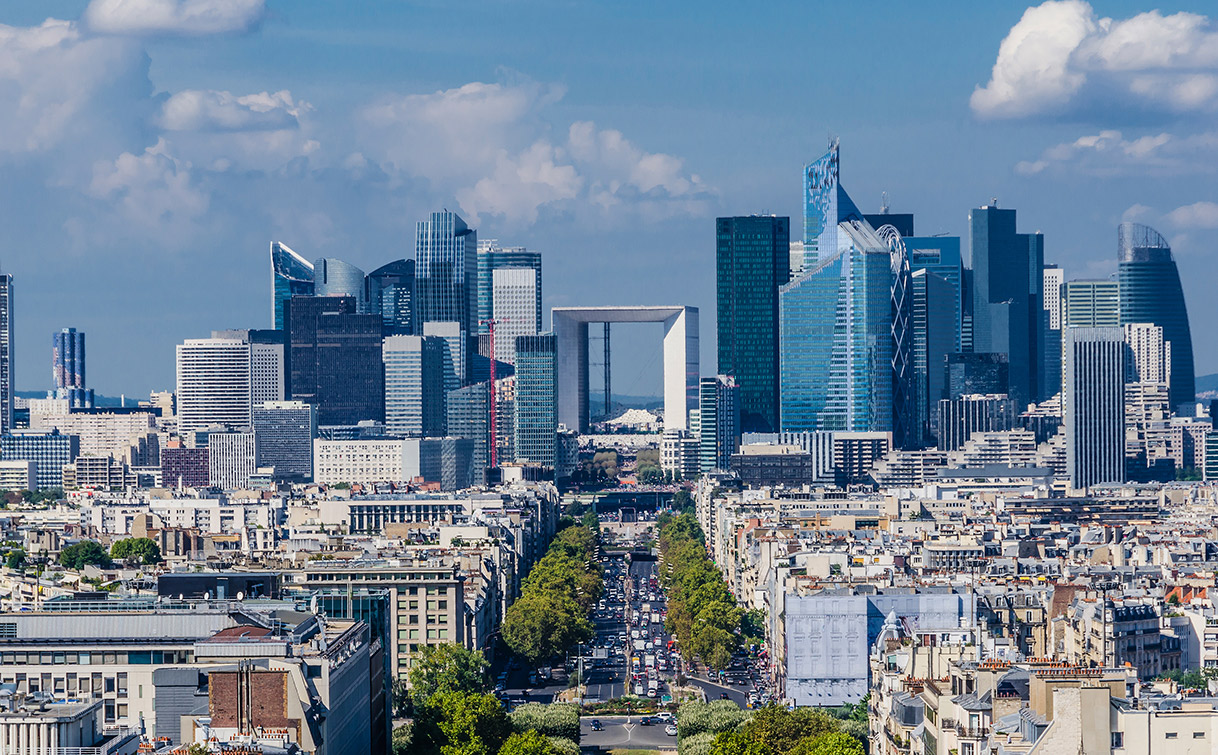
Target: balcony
point(968, 732)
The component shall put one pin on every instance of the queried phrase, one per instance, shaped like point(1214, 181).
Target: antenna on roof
point(883, 203)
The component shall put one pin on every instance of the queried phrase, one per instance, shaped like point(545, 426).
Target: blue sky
point(156, 147)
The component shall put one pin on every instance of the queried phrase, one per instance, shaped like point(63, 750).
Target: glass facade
point(536, 429)
point(752, 261)
point(333, 277)
point(826, 204)
point(446, 271)
point(291, 275)
point(835, 325)
point(414, 386)
point(1091, 304)
point(719, 422)
point(936, 334)
point(49, 452)
point(285, 431)
point(68, 358)
point(1150, 292)
point(975, 373)
point(334, 359)
point(468, 412)
point(389, 291)
point(492, 257)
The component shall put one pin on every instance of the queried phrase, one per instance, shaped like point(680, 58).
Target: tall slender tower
point(6, 353)
point(291, 275)
point(446, 271)
point(1093, 405)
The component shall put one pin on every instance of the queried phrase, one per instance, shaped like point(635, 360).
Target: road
point(624, 732)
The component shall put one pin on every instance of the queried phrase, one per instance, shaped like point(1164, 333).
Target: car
point(646, 721)
point(723, 696)
point(595, 725)
point(665, 716)
point(671, 730)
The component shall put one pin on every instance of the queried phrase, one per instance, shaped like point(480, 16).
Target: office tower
point(1150, 292)
point(826, 204)
point(902, 222)
point(68, 368)
point(446, 271)
point(267, 370)
point(232, 457)
point(795, 259)
point(389, 292)
point(719, 422)
point(1008, 301)
point(415, 368)
point(334, 359)
point(514, 303)
point(291, 275)
point(213, 386)
point(1093, 405)
point(752, 261)
point(836, 339)
point(285, 431)
point(183, 467)
point(7, 387)
point(1051, 363)
point(906, 431)
point(536, 427)
point(456, 362)
point(48, 451)
point(492, 257)
point(959, 418)
point(1054, 278)
point(333, 277)
point(940, 255)
point(975, 373)
point(1149, 356)
point(469, 413)
point(1090, 304)
point(936, 331)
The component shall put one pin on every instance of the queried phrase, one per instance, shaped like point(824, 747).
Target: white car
point(671, 730)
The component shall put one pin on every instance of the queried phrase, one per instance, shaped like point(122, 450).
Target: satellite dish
point(240, 595)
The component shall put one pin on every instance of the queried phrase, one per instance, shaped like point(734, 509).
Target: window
point(414, 634)
point(8, 629)
point(1170, 735)
point(1198, 735)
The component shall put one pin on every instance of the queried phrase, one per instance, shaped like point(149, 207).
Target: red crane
point(490, 329)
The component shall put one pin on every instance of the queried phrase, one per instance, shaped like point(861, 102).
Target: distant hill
point(1207, 384)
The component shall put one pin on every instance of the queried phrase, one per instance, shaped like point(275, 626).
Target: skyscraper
point(414, 385)
point(231, 458)
point(389, 292)
point(1150, 292)
point(446, 271)
point(333, 277)
point(1051, 363)
point(68, 368)
point(285, 431)
point(536, 427)
point(468, 411)
point(1090, 304)
point(291, 275)
point(1149, 357)
point(975, 373)
point(836, 338)
point(514, 301)
point(1093, 405)
point(719, 428)
point(936, 332)
point(334, 359)
point(455, 352)
point(6, 353)
point(752, 262)
point(826, 204)
point(492, 257)
point(213, 385)
point(1008, 293)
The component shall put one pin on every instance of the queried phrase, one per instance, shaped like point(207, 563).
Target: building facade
point(536, 426)
point(446, 271)
point(414, 385)
point(719, 422)
point(285, 431)
point(291, 275)
point(1093, 405)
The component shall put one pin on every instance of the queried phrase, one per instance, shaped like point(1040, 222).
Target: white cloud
point(1060, 59)
point(173, 17)
point(1196, 215)
point(153, 191)
point(490, 146)
point(209, 110)
point(1109, 152)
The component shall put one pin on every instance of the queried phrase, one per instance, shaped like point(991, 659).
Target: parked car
point(646, 721)
point(671, 730)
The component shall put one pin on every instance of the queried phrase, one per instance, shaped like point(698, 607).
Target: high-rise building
point(285, 431)
point(48, 451)
point(7, 387)
point(492, 257)
point(536, 426)
point(514, 301)
point(936, 333)
point(334, 359)
point(415, 367)
point(1151, 293)
point(389, 292)
point(267, 371)
point(468, 412)
point(940, 255)
point(1149, 358)
point(1093, 405)
point(68, 368)
point(975, 373)
point(446, 271)
point(719, 428)
point(1051, 363)
point(1090, 304)
point(1008, 298)
point(291, 275)
point(1054, 278)
point(456, 353)
point(826, 204)
point(836, 338)
point(333, 277)
point(232, 458)
point(959, 418)
point(213, 386)
point(186, 467)
point(752, 262)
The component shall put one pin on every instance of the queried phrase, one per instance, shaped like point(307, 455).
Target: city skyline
point(166, 193)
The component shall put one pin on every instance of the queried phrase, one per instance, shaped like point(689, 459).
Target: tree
point(436, 669)
point(554, 720)
point(141, 550)
point(682, 502)
point(15, 559)
point(527, 743)
point(85, 553)
point(540, 626)
point(460, 724)
point(402, 739)
point(830, 743)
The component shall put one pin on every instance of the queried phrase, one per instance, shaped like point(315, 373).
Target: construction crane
point(490, 329)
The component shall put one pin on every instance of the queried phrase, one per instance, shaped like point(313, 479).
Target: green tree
point(402, 740)
point(527, 743)
point(15, 559)
point(830, 743)
point(541, 626)
point(140, 550)
point(85, 553)
point(554, 720)
point(682, 502)
point(449, 667)
point(736, 742)
point(458, 724)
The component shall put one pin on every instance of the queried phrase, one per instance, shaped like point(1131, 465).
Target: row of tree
point(702, 612)
point(721, 728)
point(552, 614)
point(455, 714)
point(132, 550)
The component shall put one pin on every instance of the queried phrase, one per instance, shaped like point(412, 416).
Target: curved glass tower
point(291, 274)
point(333, 277)
point(1150, 292)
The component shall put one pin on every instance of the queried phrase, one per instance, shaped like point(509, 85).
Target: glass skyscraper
point(492, 257)
point(285, 431)
point(68, 358)
point(468, 412)
point(536, 428)
point(936, 333)
point(719, 422)
point(334, 359)
point(826, 204)
point(291, 275)
point(414, 386)
point(389, 292)
point(1093, 405)
point(333, 277)
point(1150, 292)
point(752, 261)
point(446, 271)
point(6, 354)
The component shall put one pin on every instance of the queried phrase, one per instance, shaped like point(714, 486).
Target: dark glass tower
point(752, 261)
point(334, 359)
point(389, 292)
point(446, 271)
point(1008, 298)
point(536, 431)
point(1150, 292)
point(291, 275)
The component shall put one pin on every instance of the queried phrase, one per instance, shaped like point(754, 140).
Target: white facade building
point(214, 383)
point(231, 459)
point(359, 461)
point(1149, 354)
point(515, 308)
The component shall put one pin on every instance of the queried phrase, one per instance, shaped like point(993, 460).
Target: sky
point(152, 149)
